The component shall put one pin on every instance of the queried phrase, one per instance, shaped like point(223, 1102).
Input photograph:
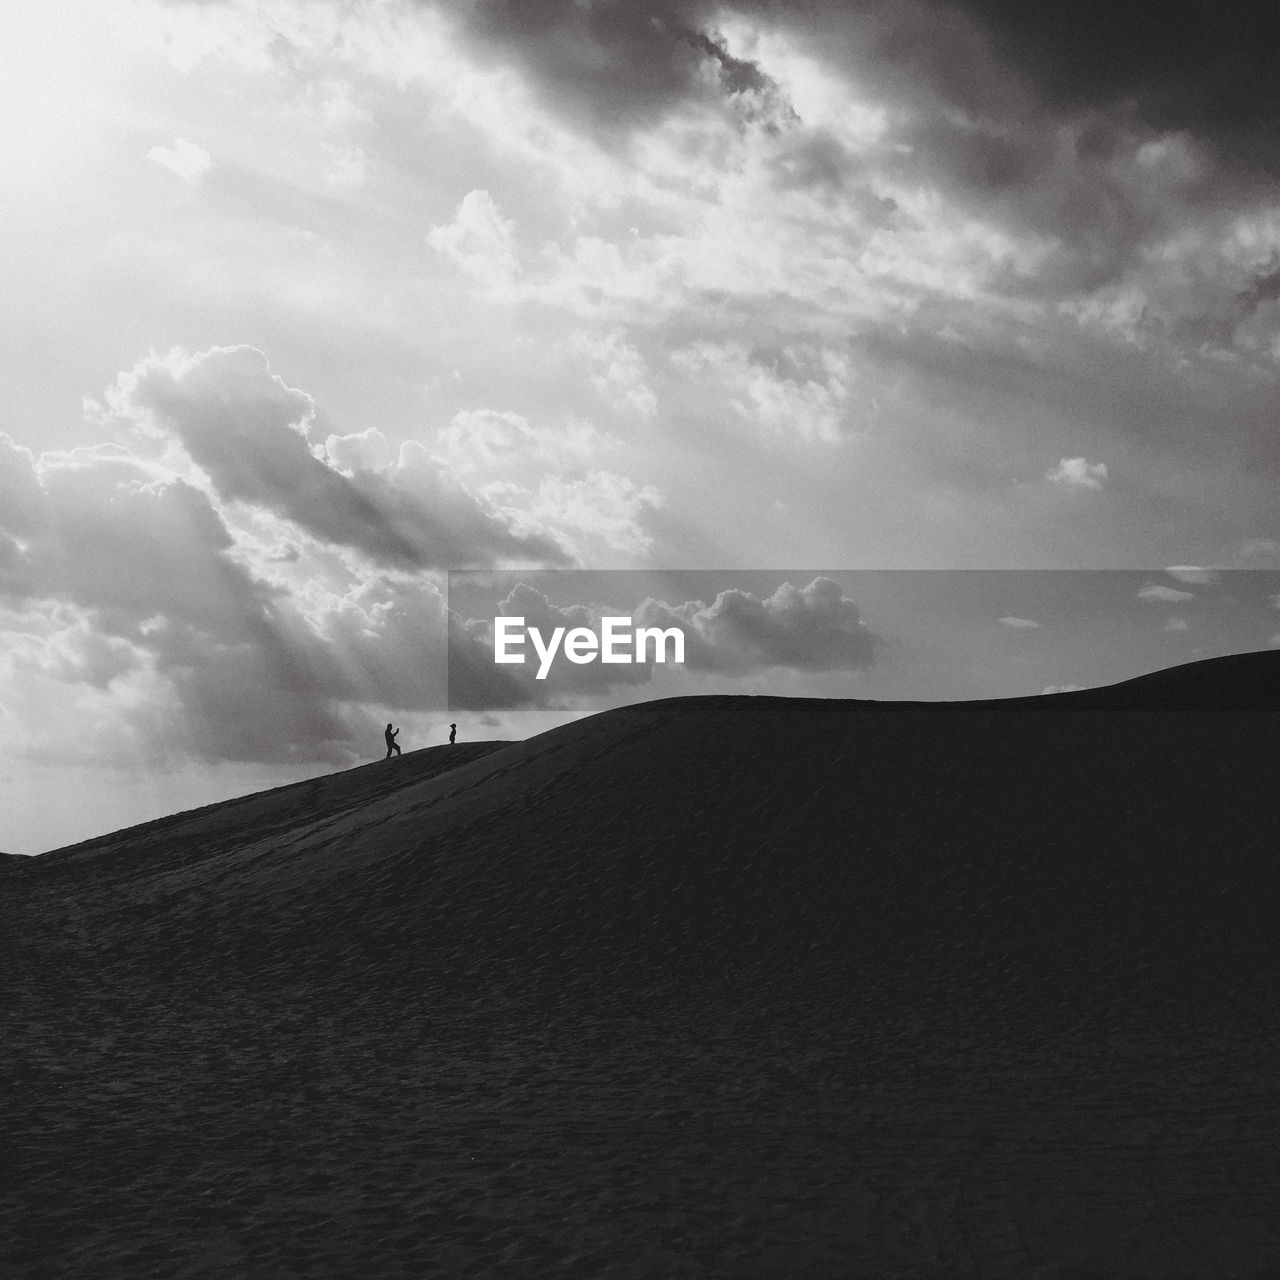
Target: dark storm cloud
point(1198, 66)
point(1207, 68)
point(1035, 114)
point(614, 63)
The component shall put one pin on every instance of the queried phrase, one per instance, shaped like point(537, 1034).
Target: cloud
point(21, 500)
point(613, 64)
point(801, 629)
point(1175, 66)
point(1193, 574)
point(480, 439)
point(811, 628)
point(1019, 624)
point(618, 371)
point(73, 653)
point(184, 158)
point(602, 512)
point(786, 391)
point(1260, 547)
point(1177, 624)
point(1061, 688)
point(480, 240)
point(249, 433)
point(128, 575)
point(1156, 593)
point(1078, 473)
point(475, 681)
point(200, 577)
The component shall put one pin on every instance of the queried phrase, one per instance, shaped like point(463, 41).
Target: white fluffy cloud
point(480, 240)
point(1158, 593)
point(1078, 473)
point(603, 513)
point(811, 628)
point(795, 391)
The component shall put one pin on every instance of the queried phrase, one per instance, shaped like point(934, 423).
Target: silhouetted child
point(453, 733)
point(392, 744)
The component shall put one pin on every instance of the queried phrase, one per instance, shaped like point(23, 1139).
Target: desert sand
point(707, 987)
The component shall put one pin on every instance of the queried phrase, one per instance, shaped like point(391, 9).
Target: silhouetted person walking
point(453, 733)
point(392, 744)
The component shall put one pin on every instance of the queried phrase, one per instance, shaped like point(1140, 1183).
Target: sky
point(307, 303)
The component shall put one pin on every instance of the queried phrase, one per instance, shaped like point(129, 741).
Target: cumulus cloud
point(126, 573)
point(480, 240)
point(71, 653)
point(618, 371)
point(1158, 593)
point(474, 675)
point(249, 432)
point(243, 589)
point(811, 628)
point(183, 158)
point(1178, 67)
point(801, 629)
point(1078, 473)
point(787, 391)
point(1019, 624)
point(602, 511)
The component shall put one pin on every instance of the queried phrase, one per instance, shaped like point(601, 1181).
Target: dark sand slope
point(724, 987)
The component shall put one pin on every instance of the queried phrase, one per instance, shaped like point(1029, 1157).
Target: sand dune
point(706, 987)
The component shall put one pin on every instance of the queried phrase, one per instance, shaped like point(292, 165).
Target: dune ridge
point(709, 986)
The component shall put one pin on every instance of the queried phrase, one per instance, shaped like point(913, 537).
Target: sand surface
point(716, 987)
